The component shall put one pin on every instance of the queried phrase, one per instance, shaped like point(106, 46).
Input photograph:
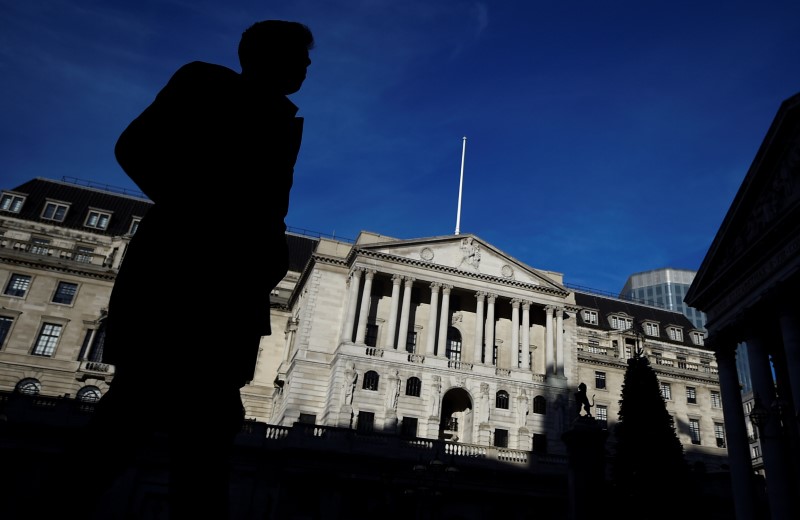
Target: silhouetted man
point(215, 152)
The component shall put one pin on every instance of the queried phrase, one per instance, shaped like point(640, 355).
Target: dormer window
point(55, 211)
point(134, 226)
point(11, 202)
point(590, 317)
point(698, 337)
point(97, 219)
point(675, 333)
point(621, 322)
point(651, 329)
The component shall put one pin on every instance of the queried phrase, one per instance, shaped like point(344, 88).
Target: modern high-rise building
point(664, 288)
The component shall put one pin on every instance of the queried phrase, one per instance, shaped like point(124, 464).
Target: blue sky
point(603, 138)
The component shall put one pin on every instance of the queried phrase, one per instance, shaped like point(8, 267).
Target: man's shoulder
point(195, 70)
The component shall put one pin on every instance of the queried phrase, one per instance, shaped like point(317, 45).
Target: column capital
point(446, 288)
point(396, 278)
point(480, 295)
point(435, 286)
point(370, 273)
point(526, 305)
point(515, 303)
point(409, 281)
point(491, 297)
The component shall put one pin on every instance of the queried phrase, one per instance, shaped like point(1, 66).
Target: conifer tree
point(649, 469)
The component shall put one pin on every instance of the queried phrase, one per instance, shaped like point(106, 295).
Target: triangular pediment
point(762, 219)
point(464, 253)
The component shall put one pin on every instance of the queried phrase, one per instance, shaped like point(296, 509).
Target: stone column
point(526, 335)
point(549, 364)
point(392, 321)
point(742, 483)
point(402, 335)
point(490, 328)
point(478, 354)
point(515, 361)
point(444, 319)
point(349, 322)
point(780, 494)
point(559, 341)
point(365, 301)
point(430, 346)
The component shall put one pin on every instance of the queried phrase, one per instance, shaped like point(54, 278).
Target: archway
point(456, 420)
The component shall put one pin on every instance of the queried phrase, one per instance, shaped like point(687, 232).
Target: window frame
point(98, 215)
point(365, 422)
point(540, 405)
point(675, 333)
point(651, 329)
point(719, 434)
point(413, 386)
point(600, 380)
point(47, 340)
point(25, 383)
point(501, 400)
point(590, 317)
point(500, 438)
point(716, 399)
point(666, 390)
point(56, 205)
point(691, 395)
point(371, 381)
point(10, 291)
point(601, 414)
point(406, 426)
point(134, 227)
point(88, 394)
point(12, 202)
point(6, 324)
point(59, 294)
point(694, 431)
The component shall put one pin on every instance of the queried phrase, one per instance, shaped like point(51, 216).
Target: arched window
point(501, 400)
point(453, 352)
point(29, 386)
point(413, 386)
point(539, 405)
point(371, 380)
point(89, 394)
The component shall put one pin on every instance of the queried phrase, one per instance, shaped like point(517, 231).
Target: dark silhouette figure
point(583, 400)
point(215, 152)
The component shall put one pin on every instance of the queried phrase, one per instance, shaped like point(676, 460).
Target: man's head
point(274, 53)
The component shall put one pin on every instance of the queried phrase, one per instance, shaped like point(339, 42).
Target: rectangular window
point(600, 380)
point(691, 395)
point(307, 418)
point(698, 338)
point(408, 428)
point(366, 422)
point(539, 443)
point(756, 451)
point(48, 337)
point(719, 434)
point(83, 254)
point(694, 430)
point(55, 211)
point(5, 327)
point(18, 285)
point(666, 391)
point(675, 334)
point(590, 317)
point(65, 293)
point(494, 356)
point(716, 402)
point(501, 438)
point(601, 414)
point(97, 219)
point(411, 342)
point(651, 329)
point(134, 226)
point(40, 246)
point(11, 203)
point(371, 338)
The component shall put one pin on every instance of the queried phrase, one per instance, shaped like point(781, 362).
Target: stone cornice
point(452, 270)
point(620, 364)
point(105, 274)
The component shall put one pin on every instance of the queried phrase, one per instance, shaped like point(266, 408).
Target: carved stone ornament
point(456, 318)
point(426, 254)
point(471, 253)
point(507, 271)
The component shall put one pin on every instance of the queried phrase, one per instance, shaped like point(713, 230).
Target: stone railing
point(373, 351)
point(50, 251)
point(459, 365)
point(416, 358)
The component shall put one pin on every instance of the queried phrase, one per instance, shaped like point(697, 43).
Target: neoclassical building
point(388, 355)
point(747, 285)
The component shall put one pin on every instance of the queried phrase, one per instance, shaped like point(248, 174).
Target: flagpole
point(461, 182)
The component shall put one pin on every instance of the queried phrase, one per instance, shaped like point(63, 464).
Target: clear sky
point(604, 138)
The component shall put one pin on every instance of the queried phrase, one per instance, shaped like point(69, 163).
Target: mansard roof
point(607, 306)
point(122, 206)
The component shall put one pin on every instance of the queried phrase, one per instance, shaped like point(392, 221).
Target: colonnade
point(440, 316)
point(774, 356)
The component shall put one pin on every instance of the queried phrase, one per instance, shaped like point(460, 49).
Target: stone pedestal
point(585, 441)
